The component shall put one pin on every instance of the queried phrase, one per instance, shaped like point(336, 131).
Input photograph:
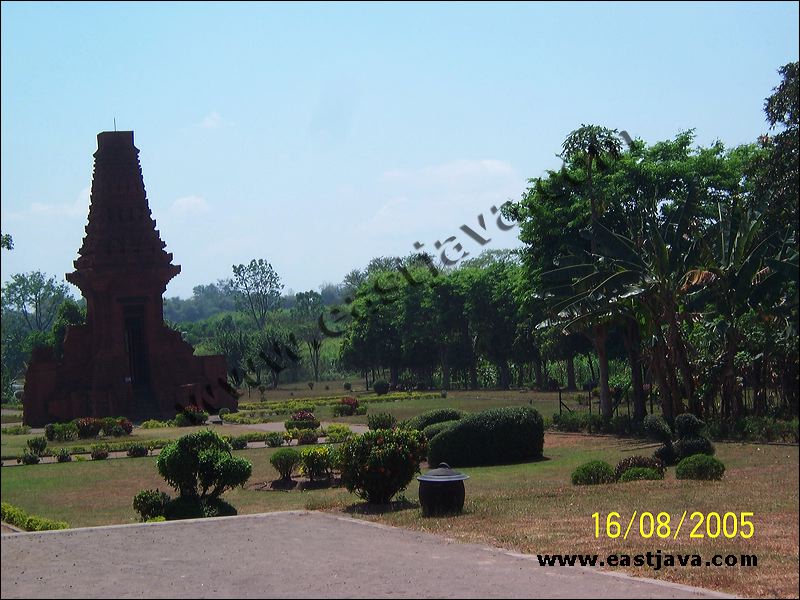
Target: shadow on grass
point(366, 508)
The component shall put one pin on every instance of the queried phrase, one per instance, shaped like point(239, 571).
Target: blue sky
point(317, 136)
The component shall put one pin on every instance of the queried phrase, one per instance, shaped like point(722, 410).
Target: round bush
point(338, 433)
point(638, 461)
point(348, 386)
point(88, 427)
point(431, 430)
point(656, 428)
point(150, 504)
point(284, 461)
point(593, 473)
point(274, 439)
point(381, 387)
point(381, 421)
point(438, 415)
point(307, 436)
point(491, 437)
point(640, 473)
point(138, 451)
point(700, 466)
point(378, 464)
point(688, 425)
point(666, 454)
point(238, 442)
point(222, 412)
point(689, 446)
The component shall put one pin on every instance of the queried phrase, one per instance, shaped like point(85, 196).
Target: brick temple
point(124, 361)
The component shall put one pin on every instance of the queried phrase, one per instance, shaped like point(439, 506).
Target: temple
point(124, 361)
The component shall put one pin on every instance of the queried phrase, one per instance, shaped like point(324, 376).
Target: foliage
point(578, 421)
point(700, 466)
point(347, 407)
point(379, 464)
point(222, 412)
point(256, 288)
point(641, 473)
point(35, 297)
point(61, 432)
point(348, 386)
point(688, 425)
point(382, 421)
point(666, 454)
point(274, 439)
point(337, 433)
point(317, 463)
point(495, 436)
point(690, 445)
point(381, 387)
point(437, 415)
point(13, 515)
point(306, 436)
point(16, 430)
point(154, 424)
point(63, 455)
point(303, 419)
point(656, 428)
point(638, 461)
point(37, 445)
point(138, 451)
point(99, 451)
point(29, 458)
point(432, 430)
point(285, 460)
point(593, 473)
point(192, 415)
point(150, 504)
point(200, 466)
point(88, 427)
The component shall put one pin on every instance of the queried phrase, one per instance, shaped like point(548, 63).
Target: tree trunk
point(537, 371)
point(505, 375)
point(445, 373)
point(632, 345)
point(571, 372)
point(600, 335)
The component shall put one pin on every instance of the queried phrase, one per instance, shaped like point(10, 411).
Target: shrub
point(200, 465)
point(666, 454)
point(638, 462)
point(63, 455)
point(238, 442)
point(347, 406)
point(381, 421)
point(29, 458)
point(193, 414)
point(88, 427)
point(302, 419)
point(688, 425)
point(656, 428)
point(180, 420)
point(593, 473)
point(431, 430)
point(316, 463)
point(348, 386)
point(640, 473)
point(496, 436)
point(14, 515)
point(154, 424)
point(138, 450)
point(689, 446)
point(378, 464)
point(438, 415)
point(443, 394)
point(700, 466)
point(37, 445)
point(60, 432)
point(620, 425)
point(99, 451)
point(381, 387)
point(16, 430)
point(150, 504)
point(284, 461)
point(222, 412)
point(274, 439)
point(579, 421)
point(338, 433)
point(307, 436)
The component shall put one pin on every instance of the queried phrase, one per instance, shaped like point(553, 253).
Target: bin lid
point(442, 473)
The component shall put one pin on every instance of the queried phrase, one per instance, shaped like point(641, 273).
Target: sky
point(320, 135)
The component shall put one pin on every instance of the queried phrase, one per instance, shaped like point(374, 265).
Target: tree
point(257, 289)
point(36, 297)
point(6, 242)
point(305, 314)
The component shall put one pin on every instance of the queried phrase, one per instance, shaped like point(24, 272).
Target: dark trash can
point(441, 491)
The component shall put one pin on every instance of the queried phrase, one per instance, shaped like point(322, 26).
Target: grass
point(11, 418)
point(529, 508)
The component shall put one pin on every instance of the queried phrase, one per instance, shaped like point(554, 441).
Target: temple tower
point(124, 361)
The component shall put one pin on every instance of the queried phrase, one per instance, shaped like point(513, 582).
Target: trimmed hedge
point(700, 466)
point(641, 473)
point(633, 462)
point(594, 472)
point(432, 430)
point(691, 445)
point(284, 461)
point(495, 436)
point(688, 425)
point(13, 515)
point(381, 421)
point(437, 415)
point(656, 428)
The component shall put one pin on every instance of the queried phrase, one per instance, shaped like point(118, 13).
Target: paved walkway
point(290, 555)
